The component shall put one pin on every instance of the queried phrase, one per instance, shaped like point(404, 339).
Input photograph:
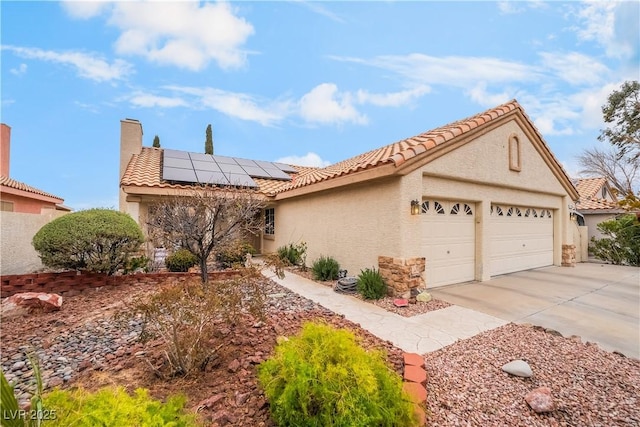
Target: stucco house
point(597, 203)
point(473, 199)
point(24, 210)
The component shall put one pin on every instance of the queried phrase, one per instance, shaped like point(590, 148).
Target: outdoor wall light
point(415, 207)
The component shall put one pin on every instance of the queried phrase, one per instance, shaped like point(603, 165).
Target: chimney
point(130, 144)
point(5, 149)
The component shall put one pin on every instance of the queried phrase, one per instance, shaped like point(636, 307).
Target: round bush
point(323, 377)
point(325, 268)
point(235, 254)
point(98, 240)
point(181, 261)
point(371, 285)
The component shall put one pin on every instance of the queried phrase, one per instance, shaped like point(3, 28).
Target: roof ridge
point(19, 185)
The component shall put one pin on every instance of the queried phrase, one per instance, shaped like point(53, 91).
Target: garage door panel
point(521, 239)
point(448, 242)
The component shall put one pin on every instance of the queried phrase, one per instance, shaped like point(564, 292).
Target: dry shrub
point(187, 318)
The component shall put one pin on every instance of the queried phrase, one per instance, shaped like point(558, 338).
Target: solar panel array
point(183, 166)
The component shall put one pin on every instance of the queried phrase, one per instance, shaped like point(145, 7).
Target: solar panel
point(185, 166)
point(205, 166)
point(175, 162)
point(201, 157)
point(285, 168)
point(211, 177)
point(176, 174)
point(176, 154)
point(241, 179)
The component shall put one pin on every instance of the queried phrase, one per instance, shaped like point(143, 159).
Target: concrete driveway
point(598, 302)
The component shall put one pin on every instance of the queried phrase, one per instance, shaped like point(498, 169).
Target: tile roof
point(406, 149)
point(5, 181)
point(589, 189)
point(144, 170)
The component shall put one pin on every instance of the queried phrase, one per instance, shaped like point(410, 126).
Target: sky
point(308, 83)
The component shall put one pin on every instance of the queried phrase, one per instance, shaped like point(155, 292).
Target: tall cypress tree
point(156, 141)
point(208, 144)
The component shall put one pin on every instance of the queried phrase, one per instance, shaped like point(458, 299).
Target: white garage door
point(521, 238)
point(448, 241)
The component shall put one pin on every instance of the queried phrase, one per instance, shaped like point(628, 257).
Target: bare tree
point(205, 220)
point(619, 169)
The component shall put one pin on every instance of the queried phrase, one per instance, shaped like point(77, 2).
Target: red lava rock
point(234, 365)
point(85, 364)
point(55, 382)
point(400, 302)
point(241, 398)
point(540, 400)
point(49, 302)
point(211, 401)
point(223, 418)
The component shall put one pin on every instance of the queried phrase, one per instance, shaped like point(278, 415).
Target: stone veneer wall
point(568, 255)
point(402, 274)
point(71, 283)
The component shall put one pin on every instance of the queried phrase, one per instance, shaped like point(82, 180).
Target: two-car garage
point(519, 238)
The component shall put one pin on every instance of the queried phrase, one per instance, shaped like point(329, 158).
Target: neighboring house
point(25, 209)
point(477, 198)
point(597, 203)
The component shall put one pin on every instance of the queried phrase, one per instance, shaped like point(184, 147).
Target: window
point(270, 221)
point(6, 206)
point(425, 206)
point(515, 162)
point(604, 192)
point(438, 208)
point(455, 209)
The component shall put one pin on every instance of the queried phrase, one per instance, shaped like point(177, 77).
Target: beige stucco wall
point(353, 224)
point(580, 239)
point(592, 221)
point(17, 255)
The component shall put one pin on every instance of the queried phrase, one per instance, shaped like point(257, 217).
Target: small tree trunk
point(204, 274)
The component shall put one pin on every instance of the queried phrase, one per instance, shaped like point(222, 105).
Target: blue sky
point(294, 81)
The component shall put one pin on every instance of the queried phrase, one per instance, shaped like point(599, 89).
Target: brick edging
point(415, 381)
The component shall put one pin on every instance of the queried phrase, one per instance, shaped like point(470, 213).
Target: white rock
point(519, 368)
point(423, 297)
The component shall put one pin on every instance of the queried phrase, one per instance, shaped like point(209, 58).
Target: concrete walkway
point(418, 334)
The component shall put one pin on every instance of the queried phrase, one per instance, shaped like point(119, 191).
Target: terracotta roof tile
point(401, 151)
point(589, 189)
point(5, 181)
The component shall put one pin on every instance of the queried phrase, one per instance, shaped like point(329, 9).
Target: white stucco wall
point(17, 255)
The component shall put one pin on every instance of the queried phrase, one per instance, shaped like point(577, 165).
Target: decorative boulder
point(423, 297)
point(49, 302)
point(540, 400)
point(519, 368)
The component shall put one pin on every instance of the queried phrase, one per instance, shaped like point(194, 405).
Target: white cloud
point(239, 105)
point(89, 66)
point(20, 70)
point(84, 9)
point(309, 159)
point(511, 7)
point(480, 95)
point(326, 105)
point(574, 68)
point(184, 34)
point(613, 25)
point(141, 99)
point(391, 99)
point(460, 71)
point(320, 9)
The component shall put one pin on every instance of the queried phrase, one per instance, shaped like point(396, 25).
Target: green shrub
point(323, 377)
point(235, 254)
point(181, 261)
point(115, 407)
point(622, 242)
point(98, 240)
point(325, 268)
point(371, 285)
point(136, 263)
point(293, 254)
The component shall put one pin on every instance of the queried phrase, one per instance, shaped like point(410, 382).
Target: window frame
point(269, 222)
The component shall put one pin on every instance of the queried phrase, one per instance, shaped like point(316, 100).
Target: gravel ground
point(591, 387)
